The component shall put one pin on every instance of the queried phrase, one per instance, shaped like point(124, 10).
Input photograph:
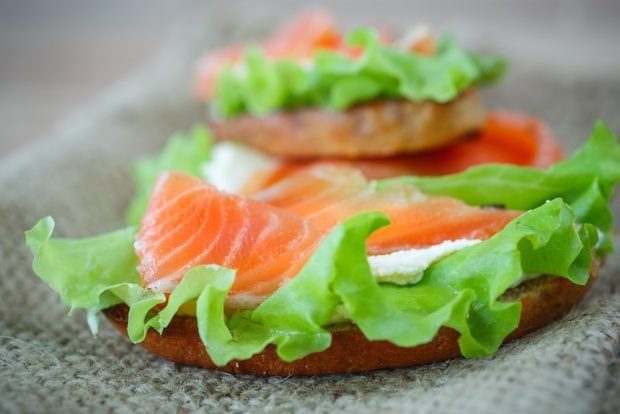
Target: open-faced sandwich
point(274, 266)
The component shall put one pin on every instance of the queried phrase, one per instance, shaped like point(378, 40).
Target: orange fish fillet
point(326, 195)
point(189, 223)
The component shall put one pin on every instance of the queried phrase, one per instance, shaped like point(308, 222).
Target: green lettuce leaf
point(183, 153)
point(93, 273)
point(586, 181)
point(259, 85)
point(80, 270)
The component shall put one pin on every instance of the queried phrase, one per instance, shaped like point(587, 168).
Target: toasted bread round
point(543, 299)
point(374, 129)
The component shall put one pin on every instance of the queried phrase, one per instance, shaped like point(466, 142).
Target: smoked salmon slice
point(268, 239)
point(328, 194)
point(189, 223)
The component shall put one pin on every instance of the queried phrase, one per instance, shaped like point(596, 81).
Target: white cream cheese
point(232, 165)
point(406, 267)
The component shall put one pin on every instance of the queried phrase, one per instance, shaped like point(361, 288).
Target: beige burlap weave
point(51, 363)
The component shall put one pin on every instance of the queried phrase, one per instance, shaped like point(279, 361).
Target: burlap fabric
point(80, 175)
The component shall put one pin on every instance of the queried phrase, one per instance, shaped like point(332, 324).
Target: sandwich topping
point(311, 64)
point(269, 238)
point(406, 267)
point(233, 167)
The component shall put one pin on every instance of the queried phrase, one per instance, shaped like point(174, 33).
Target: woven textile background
point(80, 175)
